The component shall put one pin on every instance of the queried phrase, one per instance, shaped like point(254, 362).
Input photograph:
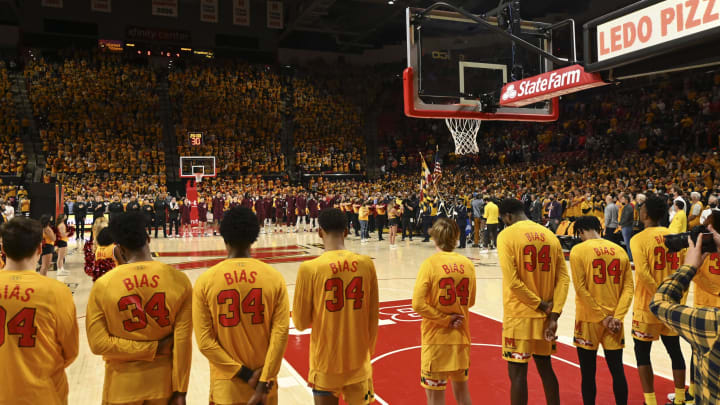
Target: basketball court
point(397, 357)
point(464, 69)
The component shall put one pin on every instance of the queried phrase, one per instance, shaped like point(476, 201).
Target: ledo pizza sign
point(662, 22)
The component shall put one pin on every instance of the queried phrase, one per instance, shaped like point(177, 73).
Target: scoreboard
point(195, 138)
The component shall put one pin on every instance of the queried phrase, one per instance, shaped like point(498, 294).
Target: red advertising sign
point(549, 85)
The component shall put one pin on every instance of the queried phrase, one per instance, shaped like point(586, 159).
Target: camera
point(679, 241)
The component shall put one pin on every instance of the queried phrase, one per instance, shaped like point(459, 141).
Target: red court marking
point(270, 259)
point(210, 253)
point(397, 372)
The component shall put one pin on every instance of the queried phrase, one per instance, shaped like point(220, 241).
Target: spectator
point(611, 218)
point(627, 217)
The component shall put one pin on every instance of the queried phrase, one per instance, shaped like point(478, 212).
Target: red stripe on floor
point(396, 367)
point(287, 259)
point(203, 253)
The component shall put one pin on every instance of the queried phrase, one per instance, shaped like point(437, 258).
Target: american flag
point(437, 172)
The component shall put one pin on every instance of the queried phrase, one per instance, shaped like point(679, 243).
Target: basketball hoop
point(198, 177)
point(464, 132)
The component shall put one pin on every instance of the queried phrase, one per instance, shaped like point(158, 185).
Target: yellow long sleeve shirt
point(129, 310)
point(241, 318)
point(603, 280)
point(653, 263)
point(533, 268)
point(337, 295)
point(38, 338)
point(445, 285)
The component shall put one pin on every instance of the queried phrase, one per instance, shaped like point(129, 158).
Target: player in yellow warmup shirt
point(241, 317)
point(133, 312)
point(444, 292)
point(603, 292)
point(535, 287)
point(654, 263)
point(38, 326)
point(337, 295)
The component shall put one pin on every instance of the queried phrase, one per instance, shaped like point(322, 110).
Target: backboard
point(197, 167)
point(458, 63)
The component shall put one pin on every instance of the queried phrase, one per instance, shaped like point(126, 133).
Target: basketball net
point(198, 177)
point(464, 133)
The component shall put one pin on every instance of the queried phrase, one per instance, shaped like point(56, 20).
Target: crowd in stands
point(327, 136)
point(12, 156)
point(102, 134)
point(239, 108)
point(99, 121)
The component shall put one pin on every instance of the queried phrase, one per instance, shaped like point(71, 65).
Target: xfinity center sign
point(653, 25)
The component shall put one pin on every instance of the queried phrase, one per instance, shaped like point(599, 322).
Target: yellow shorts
point(361, 393)
point(648, 332)
point(148, 402)
point(590, 335)
point(438, 380)
point(523, 338)
point(236, 392)
point(444, 358)
point(520, 351)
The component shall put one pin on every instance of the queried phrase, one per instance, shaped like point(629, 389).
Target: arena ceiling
point(352, 25)
point(355, 25)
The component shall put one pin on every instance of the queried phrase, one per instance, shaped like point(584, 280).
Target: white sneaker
point(688, 398)
point(63, 273)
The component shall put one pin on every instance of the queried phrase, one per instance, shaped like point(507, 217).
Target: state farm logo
point(509, 93)
point(548, 85)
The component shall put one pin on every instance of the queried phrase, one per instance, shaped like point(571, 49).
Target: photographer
point(698, 326)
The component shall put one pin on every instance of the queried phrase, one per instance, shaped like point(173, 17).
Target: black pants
point(407, 226)
point(356, 224)
point(80, 227)
point(426, 224)
point(462, 224)
point(371, 224)
point(611, 235)
point(491, 235)
point(149, 225)
point(588, 360)
point(381, 220)
point(160, 221)
point(176, 223)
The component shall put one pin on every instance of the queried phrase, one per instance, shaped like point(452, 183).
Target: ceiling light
point(391, 2)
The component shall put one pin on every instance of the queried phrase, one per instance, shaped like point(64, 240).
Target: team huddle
point(141, 315)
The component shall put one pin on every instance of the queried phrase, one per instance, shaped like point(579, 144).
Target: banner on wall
point(209, 11)
point(52, 3)
point(241, 12)
point(103, 6)
point(275, 14)
point(165, 8)
point(157, 34)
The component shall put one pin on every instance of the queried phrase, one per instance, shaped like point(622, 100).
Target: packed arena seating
point(12, 156)
point(239, 107)
point(99, 121)
point(327, 130)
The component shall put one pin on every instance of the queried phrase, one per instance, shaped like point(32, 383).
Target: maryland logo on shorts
point(641, 335)
point(510, 343)
point(433, 383)
point(582, 342)
point(516, 355)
